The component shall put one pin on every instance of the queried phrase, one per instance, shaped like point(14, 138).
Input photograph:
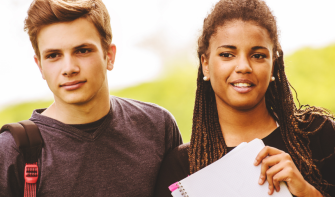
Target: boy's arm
point(11, 167)
point(172, 134)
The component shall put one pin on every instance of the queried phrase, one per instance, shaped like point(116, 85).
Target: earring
point(273, 78)
point(206, 78)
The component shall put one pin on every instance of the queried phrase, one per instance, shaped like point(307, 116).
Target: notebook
point(234, 175)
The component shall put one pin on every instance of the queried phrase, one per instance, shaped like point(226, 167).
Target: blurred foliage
point(309, 71)
point(21, 111)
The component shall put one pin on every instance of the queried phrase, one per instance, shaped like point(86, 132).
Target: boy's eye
point(83, 50)
point(259, 56)
point(52, 56)
point(226, 55)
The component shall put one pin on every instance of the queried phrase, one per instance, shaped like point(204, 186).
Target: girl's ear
point(38, 63)
point(205, 66)
point(111, 56)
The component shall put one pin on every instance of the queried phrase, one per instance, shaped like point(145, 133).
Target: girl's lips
point(73, 86)
point(242, 90)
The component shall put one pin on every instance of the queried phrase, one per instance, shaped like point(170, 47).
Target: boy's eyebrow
point(84, 45)
point(75, 48)
point(50, 51)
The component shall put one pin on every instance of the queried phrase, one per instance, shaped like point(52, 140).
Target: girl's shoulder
point(321, 134)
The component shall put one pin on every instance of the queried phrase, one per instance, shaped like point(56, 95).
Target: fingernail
point(255, 162)
point(260, 181)
point(269, 192)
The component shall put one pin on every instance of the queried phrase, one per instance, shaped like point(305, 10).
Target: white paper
point(234, 175)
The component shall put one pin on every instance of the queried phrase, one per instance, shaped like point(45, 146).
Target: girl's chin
point(240, 102)
point(243, 105)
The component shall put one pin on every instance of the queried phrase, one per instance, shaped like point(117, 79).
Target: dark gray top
point(121, 158)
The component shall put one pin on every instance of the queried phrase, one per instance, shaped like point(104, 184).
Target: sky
point(148, 33)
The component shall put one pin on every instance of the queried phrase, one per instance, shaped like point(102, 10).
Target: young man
point(94, 144)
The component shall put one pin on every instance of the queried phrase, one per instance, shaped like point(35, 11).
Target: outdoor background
point(156, 57)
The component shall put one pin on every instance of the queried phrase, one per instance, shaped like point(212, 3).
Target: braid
point(279, 98)
point(207, 143)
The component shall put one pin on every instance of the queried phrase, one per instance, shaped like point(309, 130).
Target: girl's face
point(239, 64)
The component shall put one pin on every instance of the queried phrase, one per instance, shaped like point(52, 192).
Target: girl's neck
point(239, 126)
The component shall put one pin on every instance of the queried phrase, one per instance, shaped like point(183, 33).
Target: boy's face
point(72, 61)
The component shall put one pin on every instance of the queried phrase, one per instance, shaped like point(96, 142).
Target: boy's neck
point(78, 113)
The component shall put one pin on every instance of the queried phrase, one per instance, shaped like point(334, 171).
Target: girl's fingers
point(267, 163)
point(266, 151)
point(272, 176)
point(280, 176)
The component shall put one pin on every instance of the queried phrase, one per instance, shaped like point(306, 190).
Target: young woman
point(242, 94)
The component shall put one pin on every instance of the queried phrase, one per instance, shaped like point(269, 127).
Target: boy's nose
point(70, 67)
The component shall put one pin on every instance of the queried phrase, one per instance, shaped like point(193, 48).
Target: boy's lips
point(72, 85)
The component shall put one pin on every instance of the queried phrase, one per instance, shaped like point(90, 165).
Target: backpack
point(28, 139)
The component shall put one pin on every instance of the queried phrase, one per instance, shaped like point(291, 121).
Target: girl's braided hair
point(207, 144)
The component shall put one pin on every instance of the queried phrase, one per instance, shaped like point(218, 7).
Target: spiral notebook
point(234, 175)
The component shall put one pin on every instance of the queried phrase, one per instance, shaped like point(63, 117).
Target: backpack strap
point(28, 138)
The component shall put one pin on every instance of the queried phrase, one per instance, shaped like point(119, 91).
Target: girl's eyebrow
point(234, 47)
point(259, 47)
point(228, 46)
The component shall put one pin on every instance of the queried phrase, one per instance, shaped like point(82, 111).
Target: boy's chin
point(75, 99)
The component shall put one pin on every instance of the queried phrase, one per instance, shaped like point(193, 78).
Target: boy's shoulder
point(136, 106)
point(8, 146)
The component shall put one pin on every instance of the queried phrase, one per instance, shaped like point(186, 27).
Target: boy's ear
point(205, 66)
point(38, 62)
point(111, 56)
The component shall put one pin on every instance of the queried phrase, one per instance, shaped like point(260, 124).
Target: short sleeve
point(175, 167)
point(172, 134)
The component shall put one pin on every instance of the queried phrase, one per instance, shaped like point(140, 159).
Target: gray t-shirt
point(121, 158)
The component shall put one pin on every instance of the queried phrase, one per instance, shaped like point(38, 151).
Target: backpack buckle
point(31, 173)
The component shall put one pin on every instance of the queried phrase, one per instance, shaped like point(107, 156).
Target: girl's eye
point(226, 55)
point(52, 56)
point(259, 56)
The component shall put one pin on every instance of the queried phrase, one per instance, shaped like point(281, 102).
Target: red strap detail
point(30, 190)
point(30, 177)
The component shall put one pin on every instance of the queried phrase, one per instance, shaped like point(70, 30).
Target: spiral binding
point(182, 190)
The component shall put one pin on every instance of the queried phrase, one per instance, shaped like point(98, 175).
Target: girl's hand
point(278, 166)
